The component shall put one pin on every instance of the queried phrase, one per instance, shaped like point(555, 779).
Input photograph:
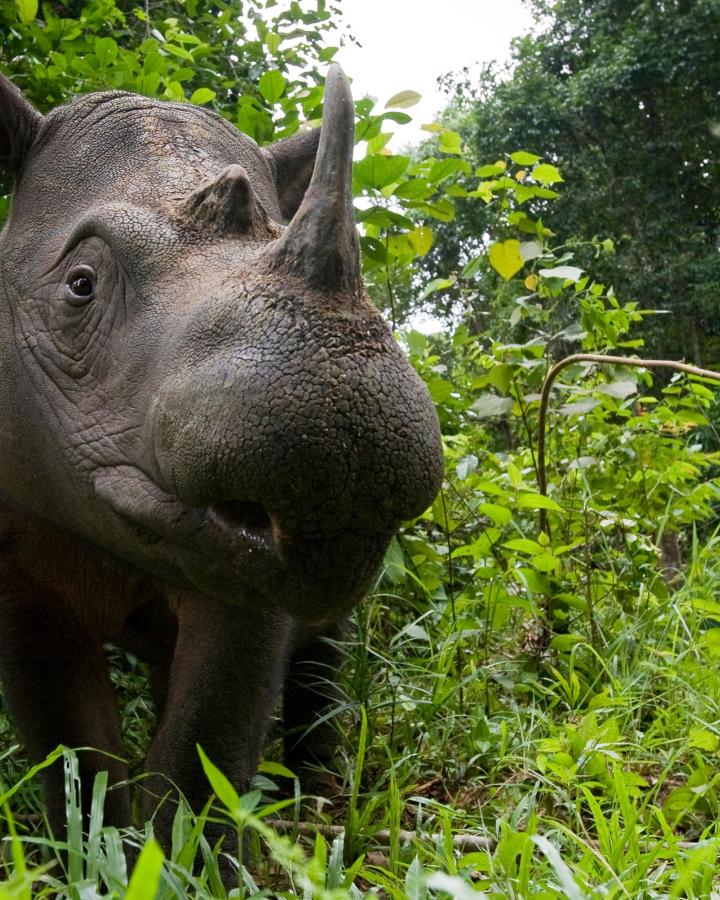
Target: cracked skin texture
point(205, 459)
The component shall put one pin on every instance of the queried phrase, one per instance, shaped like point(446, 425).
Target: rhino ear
point(293, 160)
point(19, 123)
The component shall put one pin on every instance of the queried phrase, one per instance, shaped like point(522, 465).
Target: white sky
point(407, 44)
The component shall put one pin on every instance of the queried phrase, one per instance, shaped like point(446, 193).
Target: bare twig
point(464, 842)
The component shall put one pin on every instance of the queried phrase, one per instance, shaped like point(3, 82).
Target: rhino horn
point(320, 245)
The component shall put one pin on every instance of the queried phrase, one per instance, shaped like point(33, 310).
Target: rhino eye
point(80, 285)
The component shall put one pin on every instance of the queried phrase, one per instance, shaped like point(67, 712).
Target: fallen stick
point(463, 842)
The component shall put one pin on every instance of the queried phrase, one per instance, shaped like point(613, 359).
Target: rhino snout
point(316, 464)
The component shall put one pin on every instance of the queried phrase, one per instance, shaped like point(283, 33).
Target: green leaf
point(378, 170)
point(524, 545)
point(490, 171)
point(491, 405)
point(546, 174)
point(220, 784)
point(500, 515)
point(567, 273)
point(524, 159)
point(403, 100)
point(268, 767)
point(619, 389)
point(421, 239)
point(417, 342)
point(506, 259)
point(703, 739)
point(106, 50)
point(414, 189)
point(444, 168)
point(145, 878)
point(273, 41)
point(530, 250)
point(466, 466)
point(437, 284)
point(439, 389)
point(272, 85)
point(537, 501)
point(451, 142)
point(27, 10)
point(202, 95)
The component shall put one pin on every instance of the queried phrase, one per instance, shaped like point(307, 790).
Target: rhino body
point(209, 435)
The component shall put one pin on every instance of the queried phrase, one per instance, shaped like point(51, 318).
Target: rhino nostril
point(242, 515)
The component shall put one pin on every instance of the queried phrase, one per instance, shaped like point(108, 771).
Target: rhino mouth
point(243, 515)
point(237, 551)
point(228, 529)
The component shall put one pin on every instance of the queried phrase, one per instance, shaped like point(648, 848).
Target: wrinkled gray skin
point(209, 435)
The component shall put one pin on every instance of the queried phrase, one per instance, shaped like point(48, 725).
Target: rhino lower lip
point(237, 527)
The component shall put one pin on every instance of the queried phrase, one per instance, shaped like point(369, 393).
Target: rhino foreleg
point(58, 692)
point(309, 696)
point(225, 676)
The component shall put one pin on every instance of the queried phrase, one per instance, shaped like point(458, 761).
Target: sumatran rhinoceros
point(209, 435)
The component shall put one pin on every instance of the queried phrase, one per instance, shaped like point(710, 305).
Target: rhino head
point(188, 382)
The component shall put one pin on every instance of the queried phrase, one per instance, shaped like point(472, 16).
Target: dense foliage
point(625, 98)
point(526, 711)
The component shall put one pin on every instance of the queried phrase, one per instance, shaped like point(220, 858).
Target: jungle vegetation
point(531, 696)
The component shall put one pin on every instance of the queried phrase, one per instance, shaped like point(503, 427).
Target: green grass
point(588, 772)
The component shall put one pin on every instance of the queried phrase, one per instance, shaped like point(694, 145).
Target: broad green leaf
point(378, 170)
point(417, 342)
point(451, 142)
point(530, 250)
point(439, 389)
point(173, 91)
point(490, 171)
point(537, 501)
point(403, 100)
point(524, 545)
point(466, 466)
point(268, 767)
point(444, 168)
point(491, 405)
point(27, 10)
point(421, 239)
point(546, 174)
point(619, 389)
point(273, 41)
point(437, 284)
point(524, 159)
point(703, 739)
point(414, 189)
point(505, 258)
point(567, 273)
point(272, 85)
point(579, 407)
point(500, 377)
point(546, 562)
point(441, 209)
point(202, 95)
point(500, 515)
point(374, 249)
point(106, 50)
